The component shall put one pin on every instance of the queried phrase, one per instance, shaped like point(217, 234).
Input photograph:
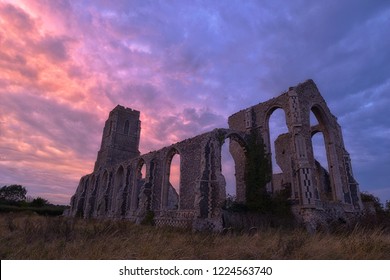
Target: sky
point(187, 66)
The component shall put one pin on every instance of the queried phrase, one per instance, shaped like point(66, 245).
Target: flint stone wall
point(119, 192)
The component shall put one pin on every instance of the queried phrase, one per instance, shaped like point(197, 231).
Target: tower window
point(109, 129)
point(126, 128)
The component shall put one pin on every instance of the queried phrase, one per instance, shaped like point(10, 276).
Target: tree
point(13, 193)
point(387, 206)
point(39, 202)
point(368, 197)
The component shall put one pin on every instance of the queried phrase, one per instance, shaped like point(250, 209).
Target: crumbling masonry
point(116, 188)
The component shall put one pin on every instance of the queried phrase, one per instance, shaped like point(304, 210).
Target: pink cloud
point(59, 88)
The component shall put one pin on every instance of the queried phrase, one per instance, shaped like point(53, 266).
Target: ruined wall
point(117, 189)
point(294, 150)
point(119, 192)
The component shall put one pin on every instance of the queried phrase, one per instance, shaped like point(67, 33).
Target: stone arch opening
point(142, 171)
point(233, 160)
point(324, 189)
point(139, 181)
point(174, 173)
point(228, 171)
point(318, 116)
point(172, 184)
point(319, 150)
point(321, 122)
point(321, 154)
point(276, 127)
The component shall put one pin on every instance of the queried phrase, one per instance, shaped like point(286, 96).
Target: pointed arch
point(139, 180)
point(276, 127)
point(233, 159)
point(276, 122)
point(171, 193)
point(321, 148)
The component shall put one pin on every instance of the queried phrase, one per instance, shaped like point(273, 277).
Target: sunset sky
point(187, 66)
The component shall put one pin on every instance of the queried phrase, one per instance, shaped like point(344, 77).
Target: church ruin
point(117, 189)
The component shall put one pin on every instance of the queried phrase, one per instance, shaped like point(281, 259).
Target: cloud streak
point(186, 66)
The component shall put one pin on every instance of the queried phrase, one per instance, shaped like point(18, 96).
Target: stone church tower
point(120, 140)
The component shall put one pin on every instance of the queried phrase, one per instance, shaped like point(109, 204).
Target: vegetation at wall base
point(148, 219)
point(378, 206)
point(261, 207)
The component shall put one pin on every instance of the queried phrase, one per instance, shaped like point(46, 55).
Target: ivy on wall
point(257, 174)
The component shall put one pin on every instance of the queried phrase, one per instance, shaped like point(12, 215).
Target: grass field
point(29, 236)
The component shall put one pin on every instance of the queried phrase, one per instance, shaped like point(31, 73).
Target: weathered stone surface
point(116, 189)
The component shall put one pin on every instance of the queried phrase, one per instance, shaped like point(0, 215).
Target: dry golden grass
point(34, 237)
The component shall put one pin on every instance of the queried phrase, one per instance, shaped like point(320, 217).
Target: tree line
point(13, 198)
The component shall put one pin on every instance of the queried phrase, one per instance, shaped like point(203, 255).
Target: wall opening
point(174, 173)
point(140, 179)
point(233, 162)
point(142, 172)
point(228, 171)
point(322, 167)
point(318, 140)
point(319, 150)
point(277, 126)
point(173, 187)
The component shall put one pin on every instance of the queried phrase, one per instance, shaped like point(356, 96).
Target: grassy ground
point(24, 236)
